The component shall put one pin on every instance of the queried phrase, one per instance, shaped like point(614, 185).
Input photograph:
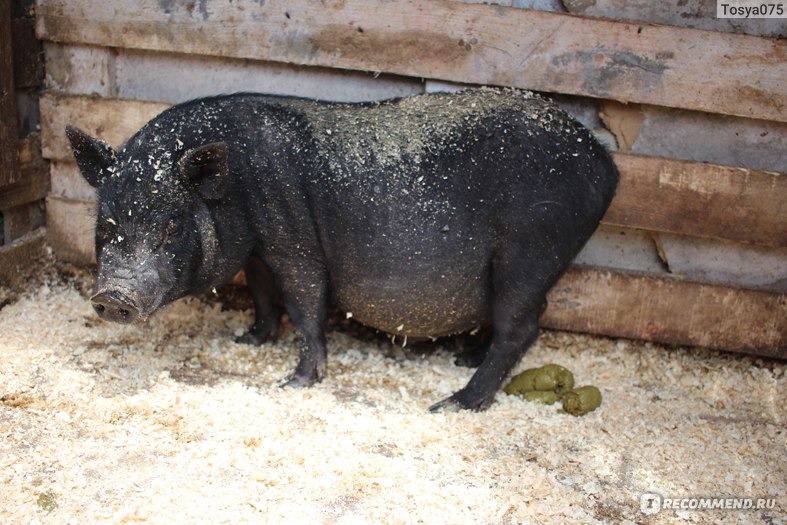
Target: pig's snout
point(114, 306)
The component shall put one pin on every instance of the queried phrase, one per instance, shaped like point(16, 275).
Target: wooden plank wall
point(24, 176)
point(9, 164)
point(694, 247)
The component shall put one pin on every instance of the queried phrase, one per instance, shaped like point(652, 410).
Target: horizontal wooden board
point(699, 14)
point(170, 77)
point(702, 200)
point(554, 52)
point(639, 306)
point(705, 137)
point(688, 198)
point(112, 120)
point(711, 260)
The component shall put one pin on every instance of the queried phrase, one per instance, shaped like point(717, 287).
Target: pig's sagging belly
point(412, 302)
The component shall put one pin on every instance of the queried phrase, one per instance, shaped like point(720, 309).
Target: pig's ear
point(94, 157)
point(206, 168)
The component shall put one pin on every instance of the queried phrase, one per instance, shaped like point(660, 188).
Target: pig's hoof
point(257, 336)
point(460, 401)
point(446, 405)
point(299, 380)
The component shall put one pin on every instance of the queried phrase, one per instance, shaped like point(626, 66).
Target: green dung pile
point(551, 383)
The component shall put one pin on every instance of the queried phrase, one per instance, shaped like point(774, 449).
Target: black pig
point(423, 216)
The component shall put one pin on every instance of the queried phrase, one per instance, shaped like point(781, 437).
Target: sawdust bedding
point(172, 422)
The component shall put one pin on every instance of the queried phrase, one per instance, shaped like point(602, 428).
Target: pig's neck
point(225, 244)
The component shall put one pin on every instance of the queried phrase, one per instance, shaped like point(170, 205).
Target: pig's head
point(156, 239)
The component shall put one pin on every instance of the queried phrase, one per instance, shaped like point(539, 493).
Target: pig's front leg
point(304, 286)
point(265, 295)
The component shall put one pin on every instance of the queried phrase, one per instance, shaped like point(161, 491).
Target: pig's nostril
point(114, 306)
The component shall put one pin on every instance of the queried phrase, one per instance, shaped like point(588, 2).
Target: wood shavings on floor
point(172, 422)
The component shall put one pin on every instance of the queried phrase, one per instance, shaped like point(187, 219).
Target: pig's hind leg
point(265, 295)
point(519, 298)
